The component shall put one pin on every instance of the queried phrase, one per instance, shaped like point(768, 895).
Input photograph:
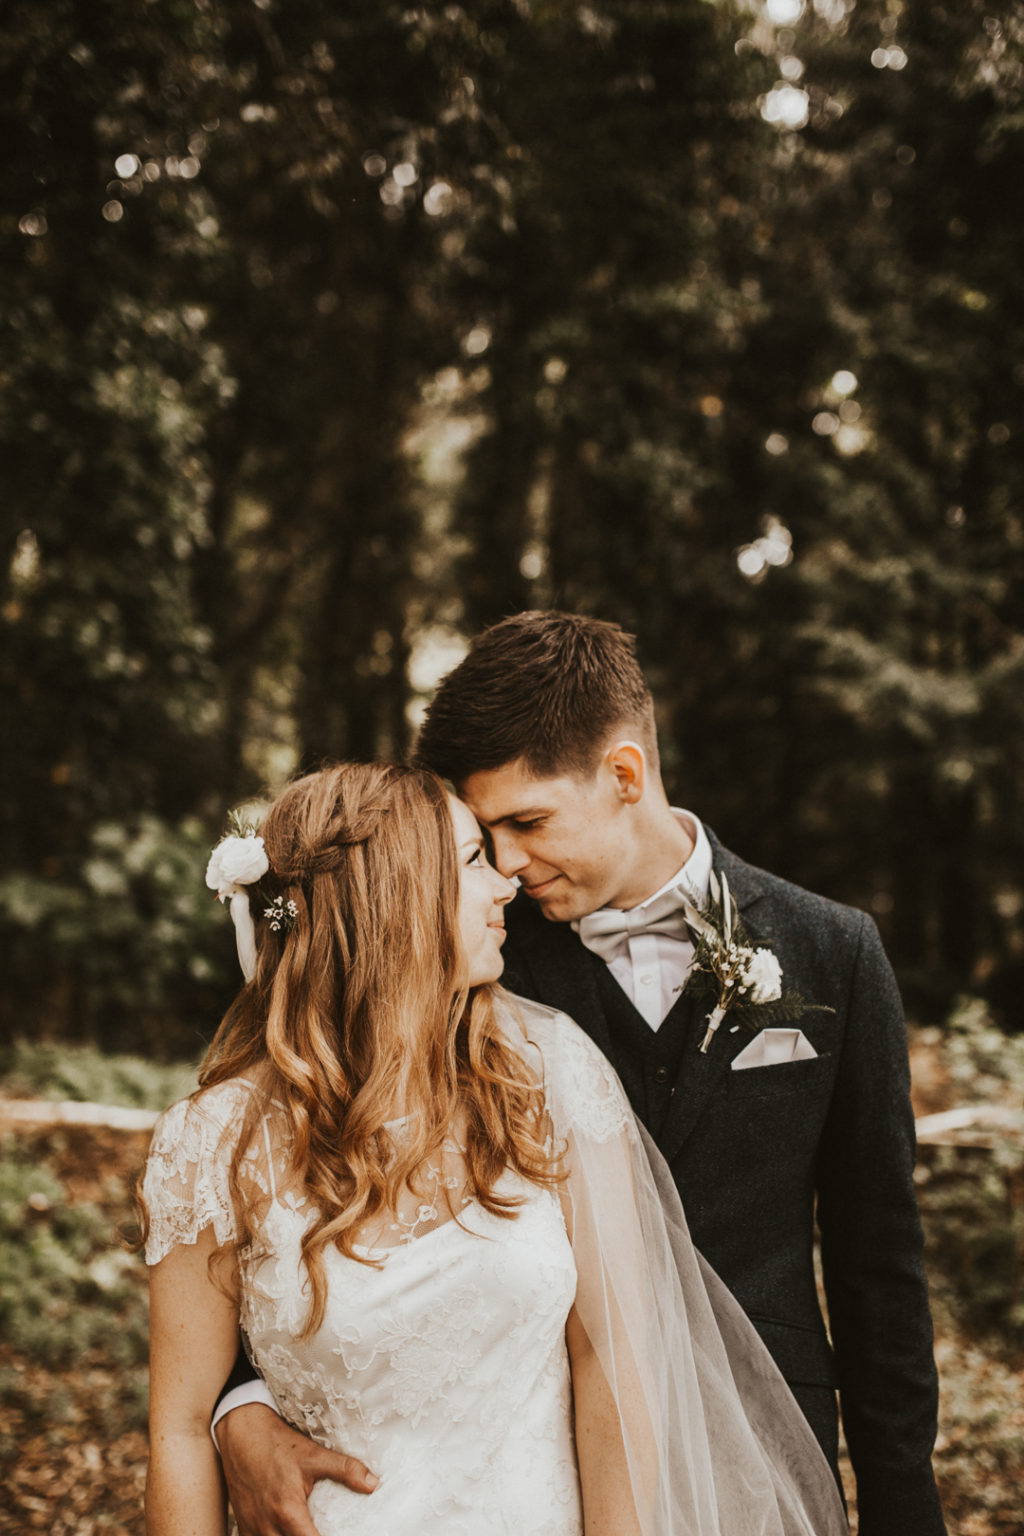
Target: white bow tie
point(606, 931)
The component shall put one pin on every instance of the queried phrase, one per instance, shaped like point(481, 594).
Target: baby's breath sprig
point(281, 914)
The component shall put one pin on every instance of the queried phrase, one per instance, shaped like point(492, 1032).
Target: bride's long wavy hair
point(360, 1013)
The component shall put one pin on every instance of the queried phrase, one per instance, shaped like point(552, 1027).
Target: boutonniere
point(743, 978)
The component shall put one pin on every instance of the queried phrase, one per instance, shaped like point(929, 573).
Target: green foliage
point(326, 325)
point(65, 1288)
point(974, 1205)
point(139, 935)
point(84, 1074)
point(972, 1198)
point(984, 1062)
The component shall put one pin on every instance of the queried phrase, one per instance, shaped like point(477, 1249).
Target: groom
point(547, 729)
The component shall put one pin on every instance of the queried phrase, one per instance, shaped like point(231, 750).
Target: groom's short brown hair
point(545, 687)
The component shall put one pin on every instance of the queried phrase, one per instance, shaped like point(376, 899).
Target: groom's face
point(566, 838)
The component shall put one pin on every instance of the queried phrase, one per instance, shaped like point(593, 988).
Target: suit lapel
point(699, 1073)
point(564, 977)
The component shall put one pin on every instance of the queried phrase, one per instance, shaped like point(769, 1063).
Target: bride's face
point(483, 895)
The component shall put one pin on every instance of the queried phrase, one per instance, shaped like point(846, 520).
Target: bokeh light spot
point(774, 548)
point(437, 199)
point(786, 106)
point(477, 341)
point(784, 13)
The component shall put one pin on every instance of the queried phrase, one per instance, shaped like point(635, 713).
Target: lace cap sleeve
point(186, 1185)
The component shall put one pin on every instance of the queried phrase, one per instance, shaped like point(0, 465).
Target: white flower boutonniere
point(728, 967)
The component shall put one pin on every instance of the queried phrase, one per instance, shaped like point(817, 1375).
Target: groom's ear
point(628, 766)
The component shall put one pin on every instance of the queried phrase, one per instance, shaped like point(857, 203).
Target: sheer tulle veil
point(714, 1441)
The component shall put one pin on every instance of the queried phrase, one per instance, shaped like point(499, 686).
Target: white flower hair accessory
point(238, 861)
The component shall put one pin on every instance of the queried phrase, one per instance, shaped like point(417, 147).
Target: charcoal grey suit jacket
point(753, 1151)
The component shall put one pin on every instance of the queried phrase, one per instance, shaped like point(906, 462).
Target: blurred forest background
point(332, 330)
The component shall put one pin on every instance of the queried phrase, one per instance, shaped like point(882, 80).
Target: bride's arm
point(193, 1336)
point(608, 1507)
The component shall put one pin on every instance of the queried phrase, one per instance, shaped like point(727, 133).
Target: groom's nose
point(509, 858)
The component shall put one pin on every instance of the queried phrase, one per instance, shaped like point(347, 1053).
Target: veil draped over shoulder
point(714, 1441)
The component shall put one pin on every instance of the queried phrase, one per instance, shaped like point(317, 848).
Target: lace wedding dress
point(443, 1366)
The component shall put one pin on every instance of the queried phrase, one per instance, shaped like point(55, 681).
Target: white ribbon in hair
point(235, 864)
point(245, 931)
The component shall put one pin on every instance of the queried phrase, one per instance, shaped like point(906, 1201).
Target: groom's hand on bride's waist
point(270, 1470)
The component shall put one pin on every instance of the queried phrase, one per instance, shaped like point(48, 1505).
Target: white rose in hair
point(236, 861)
point(763, 977)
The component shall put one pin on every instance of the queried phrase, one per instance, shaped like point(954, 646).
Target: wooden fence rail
point(969, 1125)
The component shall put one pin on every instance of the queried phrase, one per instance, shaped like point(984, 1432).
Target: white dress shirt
point(652, 967)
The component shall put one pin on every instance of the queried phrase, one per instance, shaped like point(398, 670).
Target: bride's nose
point(504, 891)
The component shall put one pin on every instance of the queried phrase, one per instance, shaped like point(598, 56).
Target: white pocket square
point(772, 1047)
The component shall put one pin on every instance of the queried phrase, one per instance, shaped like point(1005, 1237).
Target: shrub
point(85, 1074)
point(972, 1197)
point(67, 1288)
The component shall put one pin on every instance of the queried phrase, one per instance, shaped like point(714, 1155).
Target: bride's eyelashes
point(479, 858)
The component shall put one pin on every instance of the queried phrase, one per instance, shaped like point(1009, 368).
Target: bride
point(429, 1207)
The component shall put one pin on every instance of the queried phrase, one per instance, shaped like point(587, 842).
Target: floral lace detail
point(442, 1365)
point(584, 1095)
point(440, 1195)
point(446, 1194)
point(186, 1185)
